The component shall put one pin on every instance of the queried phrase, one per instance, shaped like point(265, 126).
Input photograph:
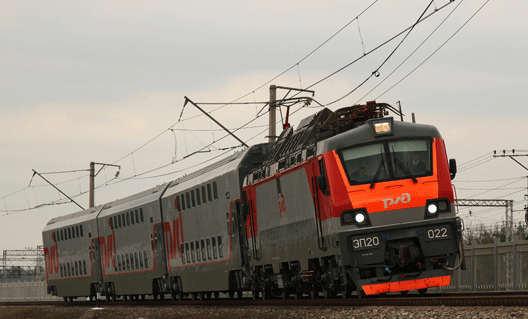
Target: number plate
point(438, 233)
point(362, 243)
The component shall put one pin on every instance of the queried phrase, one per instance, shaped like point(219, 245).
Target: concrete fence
point(500, 266)
point(25, 291)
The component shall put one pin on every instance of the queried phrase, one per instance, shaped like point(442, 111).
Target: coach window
point(182, 202)
point(192, 198)
point(132, 217)
point(198, 196)
point(136, 258)
point(188, 200)
point(77, 231)
point(115, 222)
point(220, 250)
point(132, 264)
point(215, 191)
point(208, 248)
point(69, 270)
point(110, 223)
point(198, 250)
point(61, 273)
point(119, 220)
point(80, 227)
point(203, 249)
point(124, 219)
point(73, 232)
point(55, 236)
point(209, 194)
point(119, 262)
point(127, 262)
point(76, 270)
point(146, 259)
point(214, 247)
point(203, 195)
point(193, 252)
point(69, 233)
point(141, 214)
point(84, 267)
point(137, 216)
point(187, 252)
point(128, 218)
point(141, 265)
point(62, 235)
point(182, 253)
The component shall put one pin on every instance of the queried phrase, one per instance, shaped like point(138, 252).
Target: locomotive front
point(394, 200)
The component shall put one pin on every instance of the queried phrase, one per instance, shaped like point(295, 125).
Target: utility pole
point(272, 133)
point(92, 179)
point(505, 153)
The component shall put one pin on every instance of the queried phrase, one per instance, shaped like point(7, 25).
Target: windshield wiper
point(378, 171)
point(404, 169)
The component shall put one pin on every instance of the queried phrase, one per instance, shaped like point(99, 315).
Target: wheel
point(239, 294)
point(207, 295)
point(65, 299)
point(125, 298)
point(142, 297)
point(327, 293)
point(231, 294)
point(346, 293)
point(194, 296)
point(162, 296)
point(155, 296)
point(285, 294)
point(255, 294)
point(422, 291)
point(201, 296)
point(71, 299)
point(361, 294)
point(404, 292)
point(297, 295)
point(216, 294)
point(314, 291)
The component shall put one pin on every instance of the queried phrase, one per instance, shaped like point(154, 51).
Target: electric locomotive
point(353, 200)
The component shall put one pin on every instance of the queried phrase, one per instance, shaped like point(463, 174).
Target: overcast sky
point(104, 81)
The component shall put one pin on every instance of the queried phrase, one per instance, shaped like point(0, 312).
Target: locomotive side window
point(388, 160)
point(209, 197)
point(215, 191)
point(204, 200)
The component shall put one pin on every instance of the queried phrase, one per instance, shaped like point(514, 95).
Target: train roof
point(74, 218)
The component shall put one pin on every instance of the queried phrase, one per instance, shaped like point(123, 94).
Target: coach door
point(159, 251)
point(238, 230)
point(95, 257)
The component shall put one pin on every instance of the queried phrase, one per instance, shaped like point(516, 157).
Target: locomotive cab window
point(388, 160)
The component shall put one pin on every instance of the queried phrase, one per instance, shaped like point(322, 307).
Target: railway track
point(495, 299)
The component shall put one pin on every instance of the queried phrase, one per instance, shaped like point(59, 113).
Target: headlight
point(433, 207)
point(358, 217)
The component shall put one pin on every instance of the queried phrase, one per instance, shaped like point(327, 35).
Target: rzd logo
point(405, 198)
